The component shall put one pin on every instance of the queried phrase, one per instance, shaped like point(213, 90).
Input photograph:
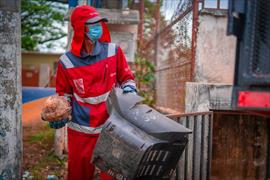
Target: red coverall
point(87, 81)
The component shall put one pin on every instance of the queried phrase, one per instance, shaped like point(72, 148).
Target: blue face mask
point(94, 31)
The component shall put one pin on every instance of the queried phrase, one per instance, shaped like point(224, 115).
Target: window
point(224, 4)
point(215, 4)
point(210, 4)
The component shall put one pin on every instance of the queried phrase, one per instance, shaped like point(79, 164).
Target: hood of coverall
point(79, 17)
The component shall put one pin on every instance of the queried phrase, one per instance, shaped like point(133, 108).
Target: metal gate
point(195, 162)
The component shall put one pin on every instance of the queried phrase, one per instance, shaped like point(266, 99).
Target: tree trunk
point(10, 90)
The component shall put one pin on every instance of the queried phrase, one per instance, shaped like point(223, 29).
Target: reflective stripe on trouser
point(84, 129)
point(80, 150)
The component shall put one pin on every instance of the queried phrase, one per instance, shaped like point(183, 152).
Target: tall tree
point(10, 101)
point(42, 22)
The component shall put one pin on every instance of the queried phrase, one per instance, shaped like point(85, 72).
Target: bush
point(145, 78)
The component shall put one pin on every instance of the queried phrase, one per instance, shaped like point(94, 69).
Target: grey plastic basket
point(138, 142)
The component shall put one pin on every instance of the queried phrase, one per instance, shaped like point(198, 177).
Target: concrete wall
point(10, 91)
point(202, 97)
point(42, 64)
point(215, 52)
point(125, 35)
point(33, 58)
point(123, 25)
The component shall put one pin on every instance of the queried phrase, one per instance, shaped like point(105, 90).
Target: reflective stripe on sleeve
point(66, 61)
point(111, 49)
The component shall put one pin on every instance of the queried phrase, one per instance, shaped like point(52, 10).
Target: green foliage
point(46, 136)
point(36, 137)
point(42, 22)
point(48, 159)
point(144, 73)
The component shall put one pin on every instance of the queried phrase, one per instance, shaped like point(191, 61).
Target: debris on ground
point(39, 161)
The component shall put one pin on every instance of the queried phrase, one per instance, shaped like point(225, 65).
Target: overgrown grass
point(46, 136)
point(48, 160)
point(47, 163)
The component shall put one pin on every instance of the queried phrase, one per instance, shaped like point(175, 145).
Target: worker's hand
point(58, 124)
point(129, 89)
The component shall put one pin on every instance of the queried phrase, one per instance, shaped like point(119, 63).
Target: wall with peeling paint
point(10, 91)
point(215, 51)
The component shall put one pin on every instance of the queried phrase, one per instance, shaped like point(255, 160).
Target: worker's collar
point(96, 51)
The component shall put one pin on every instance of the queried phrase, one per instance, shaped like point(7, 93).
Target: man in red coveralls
point(86, 74)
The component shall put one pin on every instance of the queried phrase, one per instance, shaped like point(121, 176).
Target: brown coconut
point(56, 108)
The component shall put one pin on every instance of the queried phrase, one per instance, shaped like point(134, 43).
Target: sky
point(59, 44)
point(168, 8)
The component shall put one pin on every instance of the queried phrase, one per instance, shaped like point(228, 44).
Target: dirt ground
point(39, 161)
